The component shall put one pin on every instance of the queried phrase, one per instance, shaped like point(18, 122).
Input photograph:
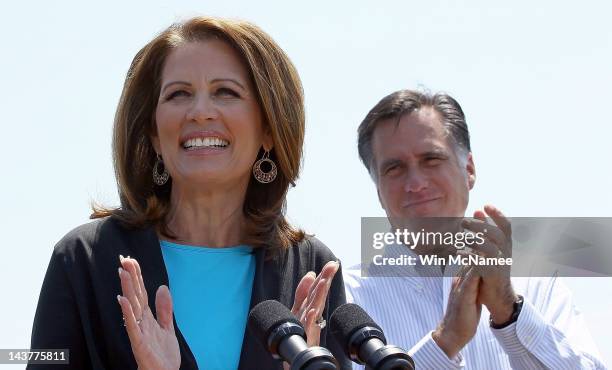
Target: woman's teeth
point(205, 142)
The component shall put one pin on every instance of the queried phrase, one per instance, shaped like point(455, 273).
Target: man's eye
point(391, 170)
point(433, 161)
point(177, 93)
point(224, 91)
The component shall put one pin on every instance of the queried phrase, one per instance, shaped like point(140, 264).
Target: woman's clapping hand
point(310, 298)
point(153, 341)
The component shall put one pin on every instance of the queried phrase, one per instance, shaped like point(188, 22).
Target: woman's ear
point(155, 143)
point(471, 171)
point(154, 137)
point(268, 142)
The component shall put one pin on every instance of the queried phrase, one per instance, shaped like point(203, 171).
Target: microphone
point(364, 341)
point(283, 335)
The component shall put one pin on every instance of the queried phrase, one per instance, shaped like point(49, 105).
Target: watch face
point(518, 304)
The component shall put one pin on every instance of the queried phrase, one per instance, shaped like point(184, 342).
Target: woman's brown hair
point(280, 96)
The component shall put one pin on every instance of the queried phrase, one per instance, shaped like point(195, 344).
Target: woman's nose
point(202, 109)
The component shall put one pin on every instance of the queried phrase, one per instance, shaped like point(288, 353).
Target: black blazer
point(78, 308)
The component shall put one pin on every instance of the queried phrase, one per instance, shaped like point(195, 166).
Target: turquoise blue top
point(211, 293)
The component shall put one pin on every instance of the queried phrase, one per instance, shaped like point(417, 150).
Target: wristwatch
point(518, 305)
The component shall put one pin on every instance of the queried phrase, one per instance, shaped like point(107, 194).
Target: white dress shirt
point(549, 333)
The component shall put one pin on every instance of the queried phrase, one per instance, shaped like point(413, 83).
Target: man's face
point(418, 171)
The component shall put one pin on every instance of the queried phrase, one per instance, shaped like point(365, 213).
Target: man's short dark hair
point(402, 102)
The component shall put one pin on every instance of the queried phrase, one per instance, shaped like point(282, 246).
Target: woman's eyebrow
point(174, 83)
point(228, 80)
point(216, 80)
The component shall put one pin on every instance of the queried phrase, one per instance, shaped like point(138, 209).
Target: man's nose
point(415, 181)
point(202, 109)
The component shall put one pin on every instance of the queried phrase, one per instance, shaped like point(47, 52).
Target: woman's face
point(209, 124)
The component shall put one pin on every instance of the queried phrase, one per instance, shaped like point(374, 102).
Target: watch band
point(518, 305)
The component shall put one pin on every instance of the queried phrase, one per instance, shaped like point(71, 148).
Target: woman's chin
point(206, 178)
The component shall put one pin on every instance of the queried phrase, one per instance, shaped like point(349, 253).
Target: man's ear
point(471, 171)
point(380, 199)
point(375, 180)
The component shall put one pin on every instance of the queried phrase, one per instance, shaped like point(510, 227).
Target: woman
point(208, 136)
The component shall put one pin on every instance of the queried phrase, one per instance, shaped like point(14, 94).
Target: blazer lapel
point(266, 285)
point(154, 274)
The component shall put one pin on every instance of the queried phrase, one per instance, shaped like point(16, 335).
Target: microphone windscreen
point(347, 319)
point(266, 316)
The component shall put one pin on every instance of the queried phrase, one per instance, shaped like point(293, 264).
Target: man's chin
point(423, 211)
point(433, 219)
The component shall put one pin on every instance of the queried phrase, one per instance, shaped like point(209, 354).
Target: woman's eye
point(177, 93)
point(224, 91)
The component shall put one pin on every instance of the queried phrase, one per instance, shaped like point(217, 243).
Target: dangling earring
point(160, 178)
point(260, 175)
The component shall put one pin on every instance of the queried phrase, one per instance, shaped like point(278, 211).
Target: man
point(416, 148)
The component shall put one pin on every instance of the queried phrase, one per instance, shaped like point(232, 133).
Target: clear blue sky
point(533, 78)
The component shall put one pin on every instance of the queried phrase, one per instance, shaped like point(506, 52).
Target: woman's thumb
point(163, 307)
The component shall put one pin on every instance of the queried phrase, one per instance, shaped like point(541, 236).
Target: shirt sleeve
point(428, 355)
point(548, 338)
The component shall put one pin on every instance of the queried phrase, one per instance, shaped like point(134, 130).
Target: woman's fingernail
point(120, 270)
point(121, 258)
point(311, 273)
point(119, 298)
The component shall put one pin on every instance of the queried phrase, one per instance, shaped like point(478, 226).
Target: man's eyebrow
point(389, 162)
point(174, 83)
point(436, 152)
